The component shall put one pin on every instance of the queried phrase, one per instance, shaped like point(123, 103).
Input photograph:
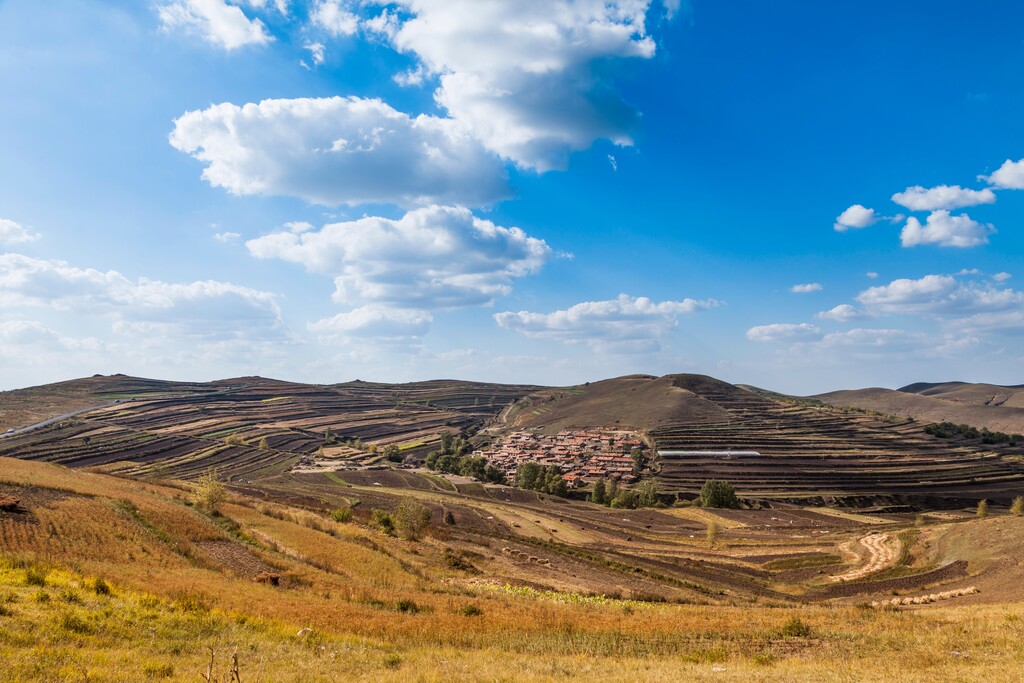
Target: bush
point(471, 611)
point(101, 587)
point(982, 508)
point(208, 492)
point(795, 628)
point(718, 494)
point(342, 514)
point(1017, 507)
point(382, 520)
point(411, 519)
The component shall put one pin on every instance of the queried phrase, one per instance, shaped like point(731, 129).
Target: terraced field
point(825, 454)
point(253, 427)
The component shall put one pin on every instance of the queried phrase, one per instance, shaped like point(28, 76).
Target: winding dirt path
point(882, 552)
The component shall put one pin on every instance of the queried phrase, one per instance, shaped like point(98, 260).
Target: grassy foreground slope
point(109, 579)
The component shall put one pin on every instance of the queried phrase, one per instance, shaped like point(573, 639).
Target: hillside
point(261, 432)
point(639, 402)
point(998, 408)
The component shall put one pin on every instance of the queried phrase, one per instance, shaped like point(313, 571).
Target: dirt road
point(882, 551)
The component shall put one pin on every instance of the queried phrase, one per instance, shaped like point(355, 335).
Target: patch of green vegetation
point(275, 399)
point(337, 480)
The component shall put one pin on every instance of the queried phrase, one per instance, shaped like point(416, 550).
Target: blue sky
point(801, 196)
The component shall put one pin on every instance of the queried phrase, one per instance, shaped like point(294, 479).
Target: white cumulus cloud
point(374, 320)
point(334, 17)
point(857, 216)
point(339, 150)
point(842, 313)
point(941, 295)
point(1009, 176)
point(12, 233)
point(945, 230)
point(529, 77)
point(806, 288)
point(434, 257)
point(623, 325)
point(218, 22)
point(918, 198)
point(777, 332)
point(203, 309)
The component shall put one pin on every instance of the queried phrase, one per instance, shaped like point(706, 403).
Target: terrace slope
point(998, 408)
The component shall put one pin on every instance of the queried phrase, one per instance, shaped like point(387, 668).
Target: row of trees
point(609, 493)
point(947, 430)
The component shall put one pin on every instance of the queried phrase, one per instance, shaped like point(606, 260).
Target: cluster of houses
point(583, 457)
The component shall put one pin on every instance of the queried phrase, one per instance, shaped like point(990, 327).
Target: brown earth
point(998, 408)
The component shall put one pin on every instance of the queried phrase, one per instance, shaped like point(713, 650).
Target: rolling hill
point(998, 408)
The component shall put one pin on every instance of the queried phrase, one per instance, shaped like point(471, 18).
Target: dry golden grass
point(385, 609)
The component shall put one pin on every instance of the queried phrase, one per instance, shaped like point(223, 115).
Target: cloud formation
point(339, 150)
point(1009, 176)
point(842, 313)
point(917, 198)
point(431, 258)
point(204, 309)
point(945, 230)
point(216, 21)
point(777, 332)
point(806, 288)
point(941, 295)
point(375, 321)
point(528, 78)
point(856, 217)
point(334, 17)
point(12, 233)
point(623, 325)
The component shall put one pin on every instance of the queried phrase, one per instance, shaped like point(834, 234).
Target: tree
point(625, 499)
point(647, 494)
point(718, 494)
point(1017, 508)
point(393, 454)
point(263, 444)
point(527, 475)
point(598, 495)
point(611, 491)
point(411, 519)
point(982, 508)
point(639, 460)
point(208, 492)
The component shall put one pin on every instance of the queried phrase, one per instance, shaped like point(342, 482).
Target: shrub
point(382, 520)
point(795, 628)
point(982, 508)
point(1017, 507)
point(718, 494)
point(342, 514)
point(208, 493)
point(411, 519)
point(100, 587)
point(712, 534)
point(471, 611)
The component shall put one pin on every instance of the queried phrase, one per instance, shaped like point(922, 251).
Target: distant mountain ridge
point(996, 407)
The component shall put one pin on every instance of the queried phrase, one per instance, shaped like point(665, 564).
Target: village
point(583, 457)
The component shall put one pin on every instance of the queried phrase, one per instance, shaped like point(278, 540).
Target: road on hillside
point(50, 421)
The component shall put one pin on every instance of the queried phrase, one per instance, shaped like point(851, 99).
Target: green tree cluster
point(646, 494)
point(455, 458)
point(718, 494)
point(541, 478)
point(411, 519)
